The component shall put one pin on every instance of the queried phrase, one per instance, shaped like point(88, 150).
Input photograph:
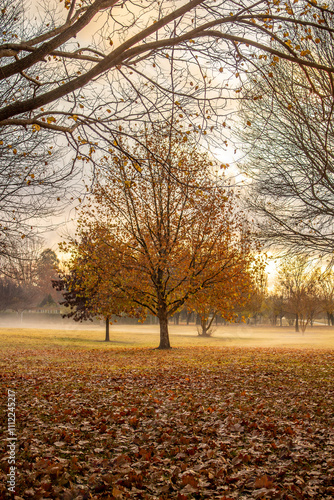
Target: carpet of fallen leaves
point(190, 423)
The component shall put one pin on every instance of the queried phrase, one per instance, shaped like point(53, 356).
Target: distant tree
point(27, 274)
point(161, 227)
point(47, 266)
point(226, 297)
point(255, 306)
point(299, 281)
point(10, 293)
point(17, 296)
point(48, 301)
point(21, 264)
point(326, 294)
point(87, 289)
point(276, 307)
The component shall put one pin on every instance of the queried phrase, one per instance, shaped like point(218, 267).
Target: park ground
point(246, 414)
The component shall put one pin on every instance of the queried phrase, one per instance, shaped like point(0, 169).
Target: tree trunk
point(297, 324)
point(107, 339)
point(163, 320)
point(204, 327)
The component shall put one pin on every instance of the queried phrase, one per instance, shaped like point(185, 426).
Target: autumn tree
point(225, 298)
point(88, 286)
point(162, 226)
point(299, 282)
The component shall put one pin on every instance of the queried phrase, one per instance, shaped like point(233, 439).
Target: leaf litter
point(191, 423)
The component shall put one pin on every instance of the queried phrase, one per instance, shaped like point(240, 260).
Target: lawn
point(90, 336)
point(239, 415)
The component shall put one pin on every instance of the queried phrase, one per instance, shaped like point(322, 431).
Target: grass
point(122, 336)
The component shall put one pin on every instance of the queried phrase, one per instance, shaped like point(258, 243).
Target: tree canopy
point(95, 63)
point(83, 74)
point(159, 229)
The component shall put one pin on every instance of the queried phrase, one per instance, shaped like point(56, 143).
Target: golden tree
point(228, 295)
point(89, 285)
point(161, 227)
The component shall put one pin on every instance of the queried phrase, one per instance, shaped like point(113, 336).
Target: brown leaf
point(116, 492)
point(263, 482)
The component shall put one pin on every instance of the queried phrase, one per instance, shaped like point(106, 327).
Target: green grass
point(123, 336)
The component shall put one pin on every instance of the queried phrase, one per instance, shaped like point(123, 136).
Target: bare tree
point(19, 276)
point(275, 305)
point(290, 159)
point(59, 74)
point(326, 289)
point(35, 184)
point(92, 71)
point(298, 283)
point(35, 172)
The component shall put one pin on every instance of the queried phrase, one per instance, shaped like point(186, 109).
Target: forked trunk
point(107, 339)
point(163, 320)
point(204, 327)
